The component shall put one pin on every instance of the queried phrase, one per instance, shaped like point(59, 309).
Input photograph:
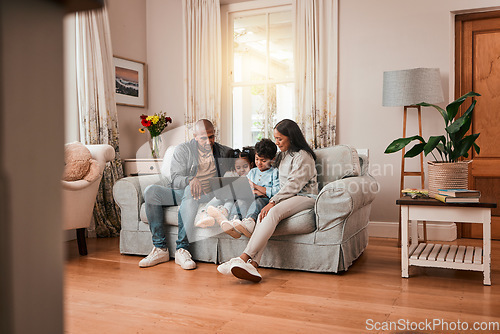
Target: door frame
point(463, 82)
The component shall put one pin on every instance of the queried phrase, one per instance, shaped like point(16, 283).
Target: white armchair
point(78, 197)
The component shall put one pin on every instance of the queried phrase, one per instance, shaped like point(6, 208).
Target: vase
point(448, 175)
point(155, 147)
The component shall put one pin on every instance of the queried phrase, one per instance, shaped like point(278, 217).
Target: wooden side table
point(445, 256)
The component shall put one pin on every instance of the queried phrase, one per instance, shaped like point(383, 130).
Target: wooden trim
point(477, 16)
point(435, 202)
point(485, 168)
point(458, 57)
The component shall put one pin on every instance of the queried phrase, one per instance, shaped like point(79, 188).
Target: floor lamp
point(406, 88)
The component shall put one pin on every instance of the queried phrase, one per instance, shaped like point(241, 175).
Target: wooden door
point(477, 68)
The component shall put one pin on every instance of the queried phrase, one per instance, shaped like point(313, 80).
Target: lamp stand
point(405, 173)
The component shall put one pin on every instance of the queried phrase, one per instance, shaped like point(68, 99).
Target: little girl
point(218, 210)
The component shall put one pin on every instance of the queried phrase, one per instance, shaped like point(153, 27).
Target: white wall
point(378, 36)
point(149, 31)
point(374, 36)
point(127, 20)
point(165, 52)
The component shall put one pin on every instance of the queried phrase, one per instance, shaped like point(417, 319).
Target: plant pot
point(448, 175)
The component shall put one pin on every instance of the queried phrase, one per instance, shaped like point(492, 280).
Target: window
point(260, 82)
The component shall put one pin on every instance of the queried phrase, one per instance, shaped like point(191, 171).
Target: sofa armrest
point(128, 193)
point(339, 199)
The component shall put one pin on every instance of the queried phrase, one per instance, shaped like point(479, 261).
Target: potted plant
point(449, 171)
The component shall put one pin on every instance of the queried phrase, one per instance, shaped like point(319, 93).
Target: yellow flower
point(155, 119)
point(141, 130)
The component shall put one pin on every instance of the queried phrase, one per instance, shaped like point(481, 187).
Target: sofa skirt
point(279, 254)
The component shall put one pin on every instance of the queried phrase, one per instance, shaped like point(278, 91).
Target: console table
point(445, 256)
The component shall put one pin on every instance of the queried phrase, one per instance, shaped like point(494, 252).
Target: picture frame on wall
point(130, 82)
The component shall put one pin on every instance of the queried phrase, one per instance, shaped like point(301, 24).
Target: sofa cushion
point(302, 222)
point(336, 162)
point(170, 214)
point(167, 159)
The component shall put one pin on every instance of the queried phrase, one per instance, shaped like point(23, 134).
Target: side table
point(134, 167)
point(445, 256)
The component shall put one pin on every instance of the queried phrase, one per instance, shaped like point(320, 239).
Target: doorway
point(477, 68)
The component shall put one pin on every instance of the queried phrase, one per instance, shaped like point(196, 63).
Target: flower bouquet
point(155, 125)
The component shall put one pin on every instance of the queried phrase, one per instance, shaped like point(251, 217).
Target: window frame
point(242, 8)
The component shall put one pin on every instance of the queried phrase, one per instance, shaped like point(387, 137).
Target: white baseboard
point(435, 231)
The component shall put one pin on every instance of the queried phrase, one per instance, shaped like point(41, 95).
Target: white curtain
point(97, 108)
point(202, 61)
point(316, 69)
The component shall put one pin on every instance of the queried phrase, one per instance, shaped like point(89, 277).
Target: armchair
point(78, 197)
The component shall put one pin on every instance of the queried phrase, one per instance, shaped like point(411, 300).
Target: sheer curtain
point(202, 61)
point(316, 69)
point(97, 108)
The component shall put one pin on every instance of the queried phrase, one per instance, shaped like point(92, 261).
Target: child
point(265, 182)
point(218, 210)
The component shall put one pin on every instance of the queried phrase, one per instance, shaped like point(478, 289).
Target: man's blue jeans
point(157, 198)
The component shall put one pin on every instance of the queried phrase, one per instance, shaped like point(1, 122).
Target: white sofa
point(326, 238)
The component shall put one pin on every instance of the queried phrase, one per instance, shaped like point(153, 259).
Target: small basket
point(448, 175)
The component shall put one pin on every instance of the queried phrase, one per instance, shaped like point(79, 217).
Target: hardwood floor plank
point(106, 292)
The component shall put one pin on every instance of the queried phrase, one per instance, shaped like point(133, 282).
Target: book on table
point(451, 199)
point(415, 193)
point(459, 192)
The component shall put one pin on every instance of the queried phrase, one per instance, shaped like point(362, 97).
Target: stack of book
point(458, 195)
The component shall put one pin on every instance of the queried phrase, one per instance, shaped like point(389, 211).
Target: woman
point(298, 190)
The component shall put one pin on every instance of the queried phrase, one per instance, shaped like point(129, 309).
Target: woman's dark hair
point(266, 148)
point(298, 142)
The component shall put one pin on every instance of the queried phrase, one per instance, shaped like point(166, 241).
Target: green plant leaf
point(441, 150)
point(464, 146)
point(459, 135)
point(400, 143)
point(476, 148)
point(415, 150)
point(462, 124)
point(441, 111)
point(432, 143)
point(452, 108)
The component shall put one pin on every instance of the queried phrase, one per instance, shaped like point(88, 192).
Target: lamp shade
point(409, 87)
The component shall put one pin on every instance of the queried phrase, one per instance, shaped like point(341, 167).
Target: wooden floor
point(106, 292)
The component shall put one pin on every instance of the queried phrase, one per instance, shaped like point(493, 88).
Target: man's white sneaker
point(156, 256)
point(227, 227)
point(219, 213)
point(245, 227)
point(183, 258)
point(205, 220)
point(225, 268)
point(246, 271)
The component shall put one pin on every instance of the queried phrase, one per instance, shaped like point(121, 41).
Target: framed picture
point(130, 82)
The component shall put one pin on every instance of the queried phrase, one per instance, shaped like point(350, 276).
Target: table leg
point(404, 241)
point(414, 232)
point(487, 247)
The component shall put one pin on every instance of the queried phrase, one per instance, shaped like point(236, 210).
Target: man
point(193, 164)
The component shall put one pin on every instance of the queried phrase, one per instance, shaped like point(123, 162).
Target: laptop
point(231, 188)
